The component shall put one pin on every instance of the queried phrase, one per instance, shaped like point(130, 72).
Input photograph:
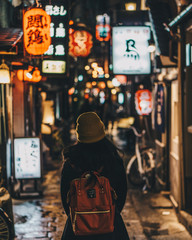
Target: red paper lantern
point(80, 43)
point(143, 102)
point(36, 31)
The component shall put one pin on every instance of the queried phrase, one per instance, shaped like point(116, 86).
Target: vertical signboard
point(103, 27)
point(27, 158)
point(160, 108)
point(56, 55)
point(130, 50)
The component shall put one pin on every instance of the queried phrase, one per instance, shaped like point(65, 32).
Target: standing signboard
point(27, 158)
point(130, 50)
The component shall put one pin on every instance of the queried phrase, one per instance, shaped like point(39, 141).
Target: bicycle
point(141, 167)
point(5, 226)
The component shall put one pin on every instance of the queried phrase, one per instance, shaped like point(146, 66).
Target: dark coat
point(115, 172)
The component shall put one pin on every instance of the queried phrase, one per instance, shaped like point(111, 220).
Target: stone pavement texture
point(146, 215)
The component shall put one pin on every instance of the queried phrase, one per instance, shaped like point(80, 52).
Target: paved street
point(146, 215)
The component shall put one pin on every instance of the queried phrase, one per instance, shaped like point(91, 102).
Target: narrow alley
point(146, 215)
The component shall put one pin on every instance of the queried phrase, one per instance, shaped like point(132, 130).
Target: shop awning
point(160, 13)
point(9, 37)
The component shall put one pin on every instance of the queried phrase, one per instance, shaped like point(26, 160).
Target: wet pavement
point(146, 215)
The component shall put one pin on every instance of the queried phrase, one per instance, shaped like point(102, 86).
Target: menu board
point(27, 158)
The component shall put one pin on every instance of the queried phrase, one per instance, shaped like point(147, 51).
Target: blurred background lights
point(71, 91)
point(87, 90)
point(106, 75)
point(110, 84)
point(115, 82)
point(94, 65)
point(88, 85)
point(130, 6)
point(80, 78)
point(113, 91)
point(94, 83)
point(87, 67)
point(120, 98)
point(102, 94)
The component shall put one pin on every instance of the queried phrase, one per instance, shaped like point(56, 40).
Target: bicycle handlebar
point(136, 132)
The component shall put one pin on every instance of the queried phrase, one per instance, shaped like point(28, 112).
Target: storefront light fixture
point(131, 6)
point(4, 73)
point(151, 48)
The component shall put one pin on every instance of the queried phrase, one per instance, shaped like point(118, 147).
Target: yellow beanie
point(89, 128)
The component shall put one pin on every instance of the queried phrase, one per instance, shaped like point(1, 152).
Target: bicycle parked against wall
point(5, 226)
point(141, 167)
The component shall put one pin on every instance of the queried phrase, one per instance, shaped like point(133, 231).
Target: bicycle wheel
point(134, 176)
point(133, 173)
point(5, 226)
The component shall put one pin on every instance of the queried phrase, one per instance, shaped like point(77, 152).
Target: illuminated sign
point(103, 27)
point(50, 66)
point(27, 158)
point(36, 30)
point(58, 10)
point(143, 102)
point(130, 50)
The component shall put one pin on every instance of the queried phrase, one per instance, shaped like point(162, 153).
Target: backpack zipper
point(80, 212)
point(104, 211)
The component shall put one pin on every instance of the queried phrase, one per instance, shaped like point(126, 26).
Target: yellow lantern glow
point(36, 31)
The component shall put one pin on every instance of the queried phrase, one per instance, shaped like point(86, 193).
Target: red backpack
point(91, 204)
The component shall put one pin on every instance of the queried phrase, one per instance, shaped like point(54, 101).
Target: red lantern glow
point(80, 43)
point(143, 102)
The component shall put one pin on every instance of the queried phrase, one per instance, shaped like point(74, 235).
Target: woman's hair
point(92, 156)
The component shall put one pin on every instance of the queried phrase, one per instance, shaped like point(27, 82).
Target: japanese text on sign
point(27, 158)
point(36, 28)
